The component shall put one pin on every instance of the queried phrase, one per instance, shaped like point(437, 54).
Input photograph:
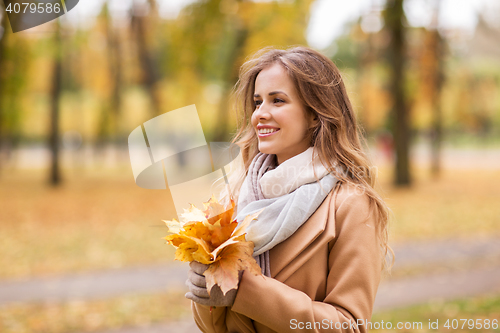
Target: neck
point(282, 158)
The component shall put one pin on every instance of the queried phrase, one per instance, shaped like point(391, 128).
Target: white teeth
point(267, 130)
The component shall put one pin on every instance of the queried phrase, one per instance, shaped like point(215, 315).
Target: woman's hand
point(198, 288)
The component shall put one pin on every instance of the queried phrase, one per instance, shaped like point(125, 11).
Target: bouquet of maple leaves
point(211, 237)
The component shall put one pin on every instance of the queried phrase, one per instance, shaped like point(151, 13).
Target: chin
point(265, 149)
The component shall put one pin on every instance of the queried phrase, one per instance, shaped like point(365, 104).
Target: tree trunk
point(436, 46)
point(146, 59)
point(3, 33)
point(231, 76)
point(55, 172)
point(117, 77)
point(394, 16)
point(364, 77)
point(115, 72)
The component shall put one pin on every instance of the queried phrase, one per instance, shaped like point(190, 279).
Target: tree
point(230, 76)
point(14, 61)
point(394, 16)
point(55, 92)
point(436, 49)
point(115, 67)
point(219, 34)
point(141, 21)
point(110, 111)
point(3, 33)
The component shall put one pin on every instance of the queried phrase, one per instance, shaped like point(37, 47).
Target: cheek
point(298, 130)
point(295, 123)
point(253, 120)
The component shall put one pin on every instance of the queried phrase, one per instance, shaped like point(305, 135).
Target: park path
point(391, 294)
point(394, 292)
point(95, 285)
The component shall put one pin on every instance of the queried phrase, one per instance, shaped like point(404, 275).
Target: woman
point(322, 238)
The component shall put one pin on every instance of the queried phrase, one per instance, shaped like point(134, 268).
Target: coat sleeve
point(354, 264)
point(209, 321)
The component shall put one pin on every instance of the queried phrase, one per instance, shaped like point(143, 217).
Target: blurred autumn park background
point(426, 93)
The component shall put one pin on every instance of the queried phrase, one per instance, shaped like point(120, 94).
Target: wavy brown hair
point(337, 137)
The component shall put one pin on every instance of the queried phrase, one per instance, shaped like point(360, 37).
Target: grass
point(90, 316)
point(99, 220)
point(478, 309)
point(141, 310)
point(452, 266)
point(460, 204)
point(93, 221)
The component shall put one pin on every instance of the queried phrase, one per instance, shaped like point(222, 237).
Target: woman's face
point(280, 120)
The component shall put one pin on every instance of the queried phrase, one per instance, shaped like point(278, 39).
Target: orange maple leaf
point(212, 238)
point(214, 211)
point(234, 258)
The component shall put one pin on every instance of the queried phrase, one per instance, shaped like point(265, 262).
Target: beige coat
point(323, 276)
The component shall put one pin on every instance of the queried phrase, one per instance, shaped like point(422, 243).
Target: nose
point(262, 112)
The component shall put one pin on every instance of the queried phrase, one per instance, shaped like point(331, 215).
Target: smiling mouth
point(267, 131)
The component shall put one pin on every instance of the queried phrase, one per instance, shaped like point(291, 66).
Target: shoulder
point(349, 194)
point(350, 202)
point(355, 220)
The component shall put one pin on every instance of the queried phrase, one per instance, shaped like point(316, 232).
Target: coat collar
point(295, 246)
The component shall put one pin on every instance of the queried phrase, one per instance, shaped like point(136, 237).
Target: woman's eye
point(278, 100)
point(257, 103)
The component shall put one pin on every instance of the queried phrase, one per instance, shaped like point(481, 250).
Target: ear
point(312, 120)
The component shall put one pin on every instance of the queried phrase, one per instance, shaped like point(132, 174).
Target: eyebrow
point(272, 93)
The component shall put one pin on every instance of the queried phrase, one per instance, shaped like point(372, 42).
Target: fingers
point(194, 298)
point(196, 279)
point(216, 298)
point(230, 297)
point(197, 291)
point(198, 267)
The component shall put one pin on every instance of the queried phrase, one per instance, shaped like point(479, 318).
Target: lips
point(264, 131)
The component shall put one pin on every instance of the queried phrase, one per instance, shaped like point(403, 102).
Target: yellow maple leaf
point(192, 214)
point(214, 211)
point(221, 233)
point(174, 226)
point(212, 238)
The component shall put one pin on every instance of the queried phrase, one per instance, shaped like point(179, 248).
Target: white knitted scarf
point(289, 195)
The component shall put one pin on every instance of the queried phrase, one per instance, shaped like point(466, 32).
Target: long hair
point(337, 138)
